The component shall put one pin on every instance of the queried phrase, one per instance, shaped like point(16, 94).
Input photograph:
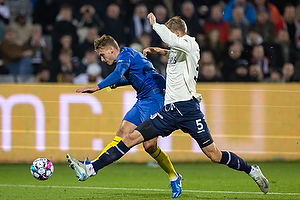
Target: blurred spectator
point(15, 60)
point(248, 10)
point(75, 6)
point(88, 43)
point(92, 75)
point(139, 22)
point(214, 45)
point(206, 58)
point(253, 38)
point(297, 70)
point(99, 5)
point(288, 72)
point(259, 58)
point(145, 41)
point(161, 15)
point(241, 72)
point(298, 11)
point(90, 57)
point(269, 8)
point(235, 35)
point(192, 22)
point(283, 47)
point(215, 21)
point(44, 13)
point(4, 18)
point(203, 8)
point(87, 18)
point(114, 25)
point(275, 77)
point(41, 54)
point(173, 7)
point(22, 27)
point(63, 26)
point(231, 60)
point(43, 76)
point(255, 73)
point(4, 13)
point(208, 73)
point(61, 70)
point(65, 42)
point(239, 21)
point(265, 26)
point(289, 23)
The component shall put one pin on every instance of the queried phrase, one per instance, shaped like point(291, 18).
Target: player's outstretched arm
point(154, 50)
point(88, 89)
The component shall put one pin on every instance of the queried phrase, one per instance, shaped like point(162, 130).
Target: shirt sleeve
point(115, 76)
point(171, 39)
point(123, 82)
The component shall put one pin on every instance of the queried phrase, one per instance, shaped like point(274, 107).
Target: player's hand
point(152, 18)
point(150, 50)
point(88, 89)
point(114, 86)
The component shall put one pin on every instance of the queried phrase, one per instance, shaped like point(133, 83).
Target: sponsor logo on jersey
point(153, 116)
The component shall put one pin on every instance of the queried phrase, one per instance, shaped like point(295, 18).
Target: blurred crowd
point(240, 40)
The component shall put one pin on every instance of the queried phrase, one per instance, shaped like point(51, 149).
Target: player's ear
point(110, 49)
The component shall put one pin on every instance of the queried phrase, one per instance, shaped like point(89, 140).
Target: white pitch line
point(144, 189)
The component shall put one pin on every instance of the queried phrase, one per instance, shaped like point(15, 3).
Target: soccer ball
point(42, 168)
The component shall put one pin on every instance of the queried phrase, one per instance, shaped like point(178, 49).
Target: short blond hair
point(105, 41)
point(176, 24)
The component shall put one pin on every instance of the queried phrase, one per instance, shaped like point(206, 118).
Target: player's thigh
point(193, 122)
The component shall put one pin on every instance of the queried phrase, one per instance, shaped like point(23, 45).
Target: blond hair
point(176, 24)
point(105, 41)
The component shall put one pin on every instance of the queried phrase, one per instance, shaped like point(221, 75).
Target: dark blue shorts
point(144, 108)
point(184, 115)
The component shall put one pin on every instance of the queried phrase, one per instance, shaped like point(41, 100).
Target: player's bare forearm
point(88, 89)
point(154, 50)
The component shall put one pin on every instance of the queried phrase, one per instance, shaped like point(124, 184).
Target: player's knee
point(133, 139)
point(121, 132)
point(150, 147)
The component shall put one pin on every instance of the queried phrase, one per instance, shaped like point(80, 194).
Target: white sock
point(252, 172)
point(90, 170)
point(174, 178)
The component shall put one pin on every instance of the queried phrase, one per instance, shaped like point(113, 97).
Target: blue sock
point(111, 155)
point(235, 162)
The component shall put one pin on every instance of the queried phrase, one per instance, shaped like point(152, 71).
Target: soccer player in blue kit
point(181, 108)
point(133, 68)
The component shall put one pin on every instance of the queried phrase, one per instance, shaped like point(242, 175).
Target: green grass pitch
point(203, 180)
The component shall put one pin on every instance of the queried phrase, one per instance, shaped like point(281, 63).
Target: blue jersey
point(133, 68)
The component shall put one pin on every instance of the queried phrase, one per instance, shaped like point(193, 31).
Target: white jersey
point(182, 68)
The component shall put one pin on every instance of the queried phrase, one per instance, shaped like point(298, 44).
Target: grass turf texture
point(202, 180)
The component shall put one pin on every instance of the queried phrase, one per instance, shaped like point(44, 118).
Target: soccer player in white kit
point(181, 108)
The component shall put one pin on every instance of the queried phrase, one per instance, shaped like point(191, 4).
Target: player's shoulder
point(125, 53)
point(190, 41)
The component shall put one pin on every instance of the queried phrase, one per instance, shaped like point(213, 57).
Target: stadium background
point(257, 121)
